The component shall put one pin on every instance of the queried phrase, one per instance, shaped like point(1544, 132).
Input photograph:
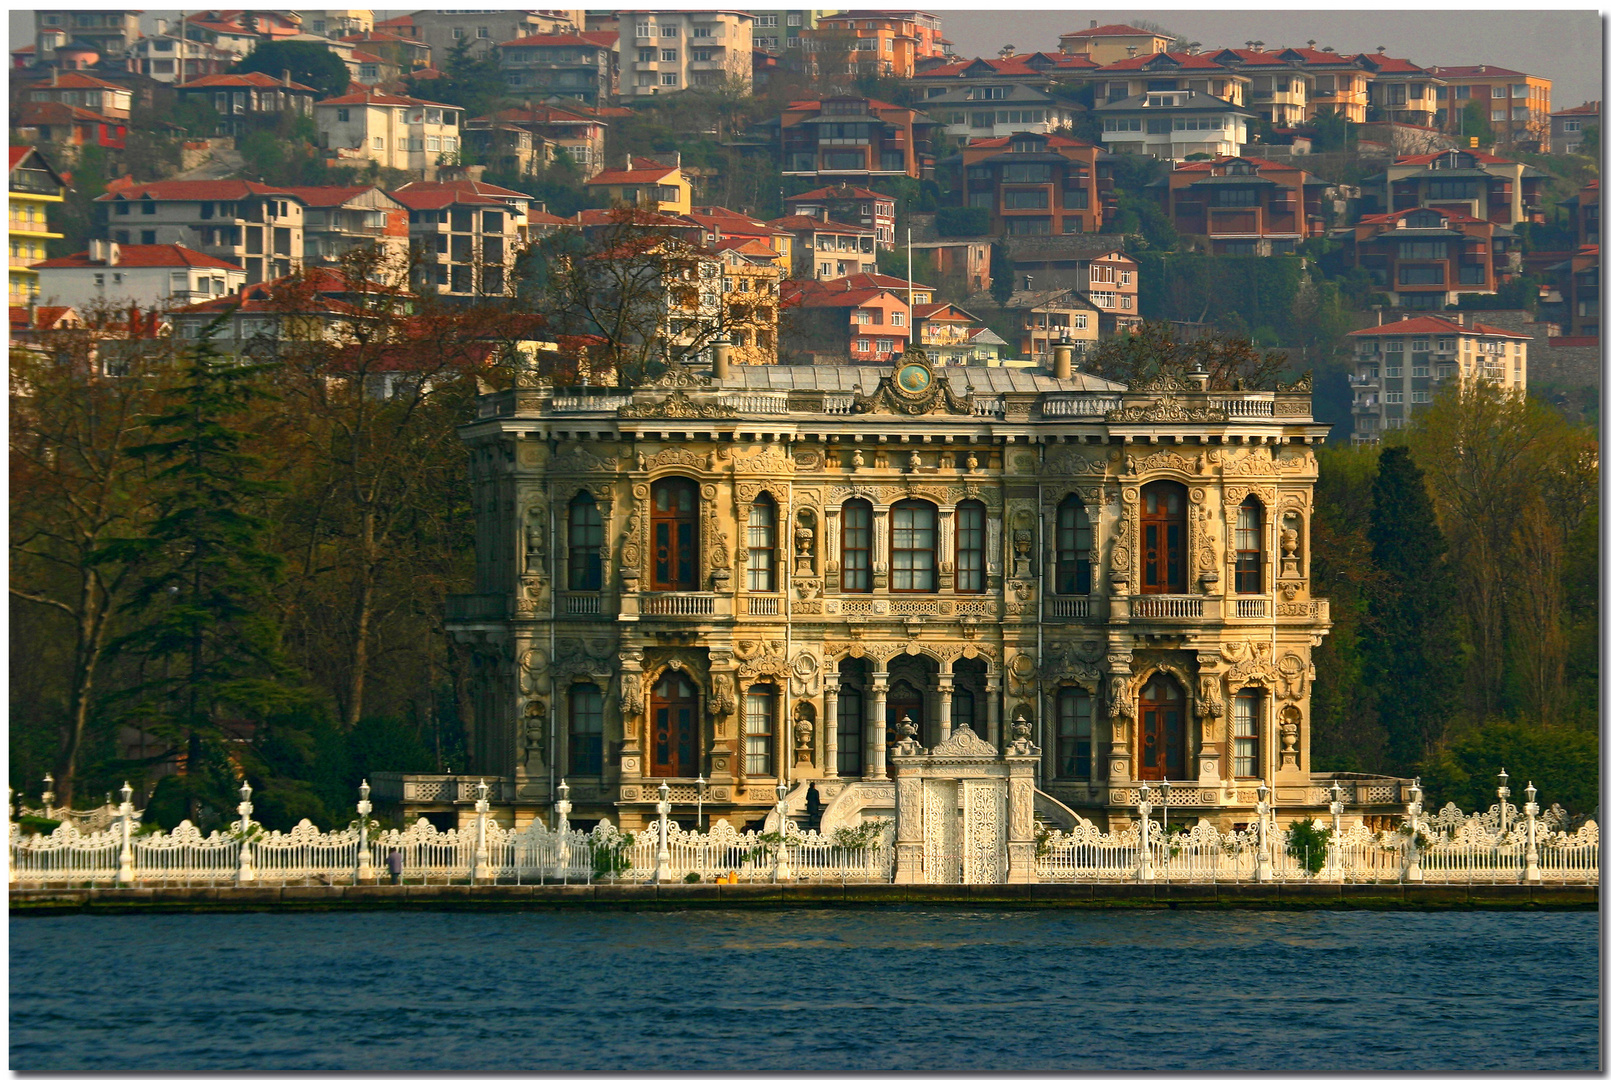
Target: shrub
point(961, 221)
point(1306, 842)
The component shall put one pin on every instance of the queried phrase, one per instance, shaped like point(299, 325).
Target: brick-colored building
point(850, 205)
point(1515, 104)
point(1425, 258)
point(856, 138)
point(1473, 182)
point(878, 42)
point(1245, 205)
point(1036, 185)
point(824, 248)
point(834, 320)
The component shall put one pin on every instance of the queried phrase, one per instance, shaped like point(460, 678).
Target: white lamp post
point(48, 797)
point(125, 854)
point(245, 872)
point(1163, 789)
point(1264, 871)
point(1530, 874)
point(1412, 852)
point(482, 872)
point(1144, 844)
point(780, 868)
point(366, 866)
point(1334, 842)
point(699, 789)
point(662, 858)
point(563, 809)
point(1504, 800)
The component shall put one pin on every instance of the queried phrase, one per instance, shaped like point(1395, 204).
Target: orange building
point(1426, 257)
point(850, 138)
point(1515, 104)
point(1036, 185)
point(879, 42)
point(1245, 205)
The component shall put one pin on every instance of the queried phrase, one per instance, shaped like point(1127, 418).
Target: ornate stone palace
point(763, 574)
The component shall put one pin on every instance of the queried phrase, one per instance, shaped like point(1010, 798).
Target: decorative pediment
point(676, 406)
point(1166, 411)
point(963, 743)
point(679, 376)
point(914, 389)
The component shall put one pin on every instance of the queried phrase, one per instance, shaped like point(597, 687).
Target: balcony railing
point(583, 604)
point(679, 604)
point(1166, 607)
point(777, 403)
point(1077, 405)
point(1239, 408)
point(765, 605)
point(1252, 609)
point(1069, 607)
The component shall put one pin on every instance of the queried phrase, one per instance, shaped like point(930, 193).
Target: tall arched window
point(1163, 537)
point(1163, 730)
point(1246, 734)
point(1073, 548)
point(850, 721)
point(585, 543)
point(911, 547)
point(586, 731)
point(970, 547)
point(761, 575)
point(856, 554)
point(1250, 546)
point(674, 520)
point(760, 727)
point(673, 722)
point(1074, 734)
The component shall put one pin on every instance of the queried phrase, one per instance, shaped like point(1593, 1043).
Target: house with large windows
point(1515, 104)
point(1036, 185)
point(580, 66)
point(1174, 125)
point(1426, 258)
point(754, 576)
point(394, 131)
point(1476, 183)
point(1245, 205)
point(850, 140)
point(1399, 366)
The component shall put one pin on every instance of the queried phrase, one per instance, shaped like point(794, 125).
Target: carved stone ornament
point(676, 406)
point(963, 743)
point(914, 390)
point(679, 376)
point(1166, 411)
point(580, 460)
point(536, 721)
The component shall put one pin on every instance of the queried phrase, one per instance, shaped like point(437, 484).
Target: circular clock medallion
point(913, 378)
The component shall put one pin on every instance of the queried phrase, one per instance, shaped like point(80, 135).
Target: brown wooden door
point(1163, 730)
point(1163, 537)
point(674, 734)
point(674, 521)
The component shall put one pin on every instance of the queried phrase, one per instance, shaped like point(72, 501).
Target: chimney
point(285, 78)
point(162, 27)
point(97, 251)
point(55, 75)
point(720, 349)
point(1482, 69)
point(1029, 283)
point(1404, 318)
point(1063, 359)
point(114, 254)
point(1093, 24)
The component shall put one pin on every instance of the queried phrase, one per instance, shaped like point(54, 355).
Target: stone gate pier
point(964, 814)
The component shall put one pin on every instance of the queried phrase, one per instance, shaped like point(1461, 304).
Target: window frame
point(682, 537)
point(1249, 741)
point(1250, 560)
point(584, 749)
point(760, 744)
point(850, 736)
point(856, 576)
point(919, 578)
point(1073, 547)
point(584, 545)
point(760, 572)
point(970, 546)
point(1158, 550)
point(1074, 748)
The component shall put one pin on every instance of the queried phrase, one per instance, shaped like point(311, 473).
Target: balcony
point(1246, 408)
point(1070, 607)
point(1166, 607)
point(584, 604)
point(1252, 609)
point(1077, 405)
point(765, 605)
point(671, 603)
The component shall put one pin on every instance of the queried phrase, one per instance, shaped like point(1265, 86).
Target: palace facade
point(757, 574)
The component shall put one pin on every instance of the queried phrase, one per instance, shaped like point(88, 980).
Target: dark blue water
point(808, 989)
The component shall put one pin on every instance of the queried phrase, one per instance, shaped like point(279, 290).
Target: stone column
point(830, 726)
point(908, 827)
point(873, 739)
point(945, 689)
point(1022, 759)
point(993, 708)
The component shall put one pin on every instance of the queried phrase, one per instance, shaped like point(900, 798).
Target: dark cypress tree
point(1001, 273)
point(205, 638)
point(1414, 655)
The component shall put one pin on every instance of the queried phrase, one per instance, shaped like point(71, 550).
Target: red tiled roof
point(1425, 159)
point(438, 198)
point(372, 97)
point(631, 218)
point(22, 49)
point(1002, 141)
point(1393, 63)
point(143, 255)
point(816, 103)
point(72, 80)
point(1194, 61)
point(540, 114)
point(1435, 324)
point(819, 297)
point(947, 312)
point(746, 245)
point(251, 78)
point(881, 281)
point(470, 187)
point(642, 172)
point(427, 73)
point(193, 190)
point(1011, 65)
point(368, 58)
point(540, 217)
point(1113, 30)
point(1455, 216)
point(1470, 72)
point(44, 317)
point(801, 222)
point(35, 113)
point(328, 196)
point(1567, 342)
point(1208, 166)
point(17, 154)
point(848, 191)
point(1587, 108)
point(598, 39)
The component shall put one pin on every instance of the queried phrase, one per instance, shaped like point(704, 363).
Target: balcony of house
point(678, 605)
point(439, 788)
point(1076, 608)
point(1241, 221)
point(40, 229)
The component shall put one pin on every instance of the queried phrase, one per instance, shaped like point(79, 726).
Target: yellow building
point(751, 275)
point(1110, 44)
point(648, 185)
point(34, 186)
point(1515, 104)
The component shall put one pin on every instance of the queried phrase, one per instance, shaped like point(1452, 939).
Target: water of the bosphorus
point(839, 989)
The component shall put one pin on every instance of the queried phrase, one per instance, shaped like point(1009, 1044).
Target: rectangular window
point(1074, 734)
point(586, 731)
point(850, 721)
point(1496, 114)
point(1024, 200)
point(1420, 275)
point(585, 545)
point(912, 547)
point(668, 56)
point(762, 539)
point(668, 80)
point(970, 548)
point(1420, 397)
point(1473, 275)
point(1249, 547)
point(758, 729)
point(856, 573)
point(1247, 735)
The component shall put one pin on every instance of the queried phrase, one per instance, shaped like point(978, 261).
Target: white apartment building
point(1398, 366)
point(1173, 125)
point(396, 132)
point(253, 226)
point(150, 275)
point(485, 28)
point(663, 52)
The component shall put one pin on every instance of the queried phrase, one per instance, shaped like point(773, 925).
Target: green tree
point(1562, 763)
point(1001, 274)
point(1152, 349)
point(309, 63)
point(474, 83)
point(80, 219)
point(1333, 133)
point(1474, 122)
point(205, 635)
point(1589, 144)
point(1412, 650)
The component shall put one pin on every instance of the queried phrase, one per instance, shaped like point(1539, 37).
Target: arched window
point(674, 732)
point(585, 543)
point(674, 520)
point(856, 555)
point(1246, 734)
point(1163, 729)
point(1073, 548)
point(1163, 537)
point(762, 539)
point(970, 547)
point(1250, 546)
point(850, 721)
point(962, 710)
point(760, 708)
point(911, 547)
point(1073, 734)
point(586, 731)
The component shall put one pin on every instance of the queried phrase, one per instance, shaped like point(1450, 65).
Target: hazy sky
point(1562, 45)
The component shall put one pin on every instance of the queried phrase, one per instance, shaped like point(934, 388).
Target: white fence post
point(1264, 871)
point(125, 853)
point(1530, 873)
point(1144, 835)
point(1333, 870)
point(562, 857)
point(1412, 849)
point(244, 873)
point(662, 857)
point(366, 865)
point(483, 872)
point(781, 866)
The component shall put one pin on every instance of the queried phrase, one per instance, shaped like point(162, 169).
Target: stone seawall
point(1206, 895)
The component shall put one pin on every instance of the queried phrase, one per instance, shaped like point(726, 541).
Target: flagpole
point(911, 313)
